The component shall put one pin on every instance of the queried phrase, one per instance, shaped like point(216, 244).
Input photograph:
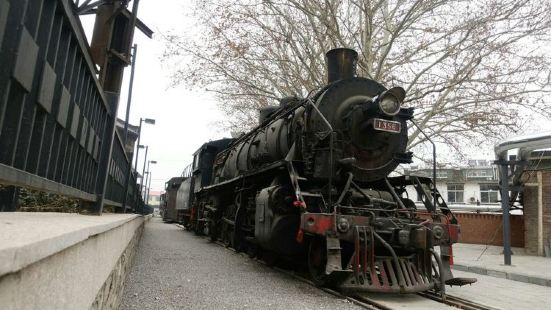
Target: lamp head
point(389, 101)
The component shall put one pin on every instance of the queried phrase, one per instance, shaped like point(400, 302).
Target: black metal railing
point(53, 111)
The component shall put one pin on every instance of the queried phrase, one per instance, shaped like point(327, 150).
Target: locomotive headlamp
point(390, 100)
point(389, 105)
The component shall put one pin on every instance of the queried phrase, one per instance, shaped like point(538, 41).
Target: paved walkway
point(174, 269)
point(502, 293)
point(488, 260)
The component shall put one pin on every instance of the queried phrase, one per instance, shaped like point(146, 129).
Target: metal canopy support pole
point(525, 145)
point(504, 185)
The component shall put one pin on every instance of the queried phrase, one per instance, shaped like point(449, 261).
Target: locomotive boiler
point(311, 183)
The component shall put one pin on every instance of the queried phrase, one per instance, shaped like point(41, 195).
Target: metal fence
point(54, 114)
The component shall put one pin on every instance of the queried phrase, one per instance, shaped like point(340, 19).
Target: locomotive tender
point(311, 182)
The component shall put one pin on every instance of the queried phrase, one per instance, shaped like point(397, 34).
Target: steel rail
point(456, 302)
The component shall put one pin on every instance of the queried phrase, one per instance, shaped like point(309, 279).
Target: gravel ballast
point(175, 269)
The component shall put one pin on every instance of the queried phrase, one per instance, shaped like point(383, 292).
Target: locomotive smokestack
point(341, 64)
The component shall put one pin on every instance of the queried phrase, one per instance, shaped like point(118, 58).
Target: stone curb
point(15, 257)
point(504, 275)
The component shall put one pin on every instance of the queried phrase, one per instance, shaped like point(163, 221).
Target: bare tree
point(471, 69)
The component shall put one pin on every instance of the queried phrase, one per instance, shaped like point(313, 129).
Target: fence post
point(106, 151)
point(9, 196)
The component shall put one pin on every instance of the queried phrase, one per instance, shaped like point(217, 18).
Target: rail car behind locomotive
point(169, 210)
point(180, 191)
point(311, 182)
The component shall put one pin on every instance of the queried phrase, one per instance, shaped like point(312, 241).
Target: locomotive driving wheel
point(226, 231)
point(211, 231)
point(238, 235)
point(226, 236)
point(317, 260)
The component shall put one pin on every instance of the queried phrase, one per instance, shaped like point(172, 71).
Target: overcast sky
point(184, 118)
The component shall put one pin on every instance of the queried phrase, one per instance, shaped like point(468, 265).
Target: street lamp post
point(144, 191)
point(147, 121)
point(148, 188)
point(143, 170)
point(138, 146)
point(149, 176)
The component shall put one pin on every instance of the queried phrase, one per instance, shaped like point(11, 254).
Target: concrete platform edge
point(110, 294)
point(502, 274)
point(15, 258)
point(88, 274)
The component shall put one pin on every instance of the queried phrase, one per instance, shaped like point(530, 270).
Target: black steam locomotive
point(311, 182)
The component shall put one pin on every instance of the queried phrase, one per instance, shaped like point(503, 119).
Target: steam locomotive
point(311, 183)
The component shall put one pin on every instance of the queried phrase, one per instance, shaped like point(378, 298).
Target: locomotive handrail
point(187, 172)
point(346, 187)
point(331, 132)
point(321, 115)
point(433, 162)
point(394, 195)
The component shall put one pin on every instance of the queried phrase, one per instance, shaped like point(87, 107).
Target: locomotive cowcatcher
point(311, 183)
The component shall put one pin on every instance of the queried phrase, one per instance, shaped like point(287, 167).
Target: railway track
point(425, 300)
point(369, 302)
point(456, 302)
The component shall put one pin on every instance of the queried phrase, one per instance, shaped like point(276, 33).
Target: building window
point(479, 163)
point(455, 193)
point(442, 174)
point(479, 173)
point(488, 193)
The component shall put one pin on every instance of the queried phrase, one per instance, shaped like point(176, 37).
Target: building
point(475, 184)
point(464, 187)
point(537, 204)
point(133, 132)
point(154, 198)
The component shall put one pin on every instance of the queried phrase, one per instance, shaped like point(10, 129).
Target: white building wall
point(412, 194)
point(470, 189)
point(442, 189)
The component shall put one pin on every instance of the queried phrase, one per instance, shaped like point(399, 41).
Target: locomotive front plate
point(388, 126)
